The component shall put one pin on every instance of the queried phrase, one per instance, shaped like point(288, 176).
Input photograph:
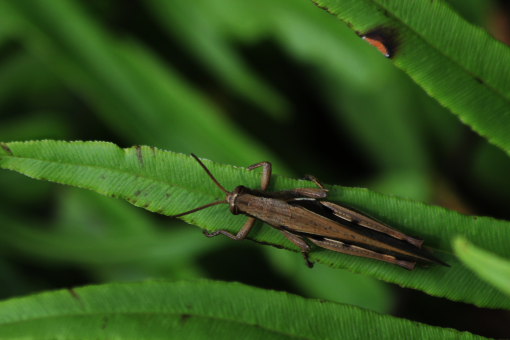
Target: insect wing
point(364, 220)
point(321, 223)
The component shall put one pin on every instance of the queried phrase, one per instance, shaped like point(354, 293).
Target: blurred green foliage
point(237, 82)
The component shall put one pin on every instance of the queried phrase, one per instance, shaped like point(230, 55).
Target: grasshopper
point(299, 215)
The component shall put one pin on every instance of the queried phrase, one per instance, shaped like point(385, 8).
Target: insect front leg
point(266, 173)
point(298, 241)
point(245, 230)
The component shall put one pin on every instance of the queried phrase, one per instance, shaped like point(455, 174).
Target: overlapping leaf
point(132, 90)
point(489, 267)
point(457, 63)
point(198, 310)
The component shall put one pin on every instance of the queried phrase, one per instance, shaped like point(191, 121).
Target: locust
point(302, 215)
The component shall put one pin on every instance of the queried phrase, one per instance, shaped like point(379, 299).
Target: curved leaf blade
point(131, 88)
point(210, 46)
point(196, 310)
point(169, 183)
point(457, 63)
point(486, 265)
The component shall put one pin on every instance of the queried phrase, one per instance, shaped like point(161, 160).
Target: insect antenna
point(210, 175)
point(210, 204)
point(199, 208)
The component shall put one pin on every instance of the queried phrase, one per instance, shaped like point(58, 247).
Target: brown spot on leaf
point(102, 177)
point(6, 149)
point(138, 192)
point(325, 8)
point(146, 205)
point(73, 294)
point(167, 195)
point(184, 318)
point(138, 150)
point(479, 80)
point(105, 321)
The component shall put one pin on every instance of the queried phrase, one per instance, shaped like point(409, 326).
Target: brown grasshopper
point(299, 215)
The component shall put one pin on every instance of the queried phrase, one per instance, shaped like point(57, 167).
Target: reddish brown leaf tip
point(384, 39)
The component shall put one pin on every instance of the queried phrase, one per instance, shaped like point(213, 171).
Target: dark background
point(237, 82)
